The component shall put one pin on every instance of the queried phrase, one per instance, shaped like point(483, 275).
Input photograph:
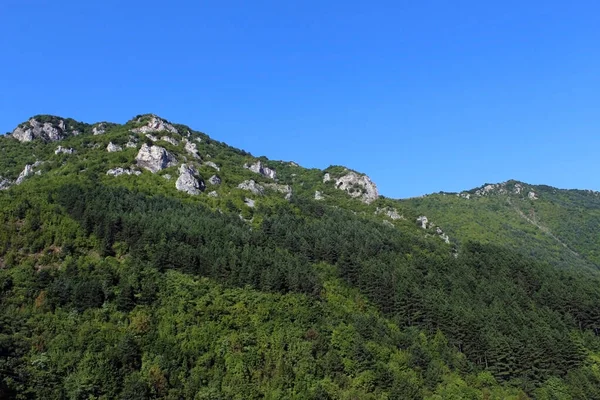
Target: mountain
point(148, 260)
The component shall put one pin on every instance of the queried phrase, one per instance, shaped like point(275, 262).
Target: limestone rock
point(391, 213)
point(155, 158)
point(131, 145)
point(112, 148)
point(155, 124)
point(319, 195)
point(326, 177)
point(212, 165)
point(188, 182)
point(358, 186)
point(122, 171)
point(213, 194)
point(249, 202)
point(167, 176)
point(532, 196)
point(27, 172)
point(214, 180)
point(252, 186)
point(152, 137)
point(63, 150)
point(259, 168)
point(34, 129)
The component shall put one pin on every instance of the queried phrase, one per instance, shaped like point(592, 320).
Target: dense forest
point(126, 288)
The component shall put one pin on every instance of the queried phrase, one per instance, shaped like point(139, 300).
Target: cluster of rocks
point(261, 169)
point(154, 124)
point(425, 224)
point(189, 181)
point(63, 150)
point(48, 132)
point(27, 172)
point(123, 171)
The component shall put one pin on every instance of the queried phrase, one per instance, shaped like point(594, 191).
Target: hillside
point(147, 260)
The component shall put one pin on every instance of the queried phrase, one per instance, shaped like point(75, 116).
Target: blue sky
point(422, 96)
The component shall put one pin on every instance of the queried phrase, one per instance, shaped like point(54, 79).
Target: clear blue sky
point(422, 96)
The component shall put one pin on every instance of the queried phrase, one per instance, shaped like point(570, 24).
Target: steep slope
point(147, 260)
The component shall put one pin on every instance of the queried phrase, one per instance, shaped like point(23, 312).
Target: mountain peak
point(49, 128)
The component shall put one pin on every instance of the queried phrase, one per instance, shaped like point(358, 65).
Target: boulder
point(191, 148)
point(252, 186)
point(5, 183)
point(249, 202)
point(99, 129)
point(213, 194)
point(112, 148)
point(188, 182)
point(214, 180)
point(319, 195)
point(326, 177)
point(259, 168)
point(423, 221)
point(155, 158)
point(358, 186)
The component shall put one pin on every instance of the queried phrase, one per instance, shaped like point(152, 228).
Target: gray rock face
point(155, 124)
point(122, 171)
point(532, 196)
point(187, 181)
point(155, 158)
point(214, 180)
point(285, 189)
point(252, 186)
point(259, 168)
point(326, 177)
point(319, 195)
point(191, 148)
point(63, 150)
point(212, 165)
point(46, 131)
point(358, 186)
point(112, 148)
point(99, 129)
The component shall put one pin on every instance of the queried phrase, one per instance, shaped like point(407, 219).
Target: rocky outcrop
point(188, 181)
point(259, 168)
point(154, 124)
point(169, 139)
point(5, 183)
point(99, 129)
point(423, 221)
point(532, 196)
point(191, 148)
point(214, 180)
point(358, 186)
point(63, 150)
point(285, 189)
point(27, 172)
point(391, 213)
point(326, 177)
point(131, 145)
point(252, 186)
point(47, 131)
point(155, 158)
point(249, 202)
point(212, 165)
point(319, 195)
point(122, 171)
point(113, 148)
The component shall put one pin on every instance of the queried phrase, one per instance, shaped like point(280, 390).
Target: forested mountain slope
point(147, 260)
